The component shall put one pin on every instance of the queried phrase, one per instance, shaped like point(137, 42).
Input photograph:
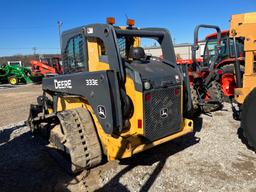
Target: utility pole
point(59, 30)
point(34, 50)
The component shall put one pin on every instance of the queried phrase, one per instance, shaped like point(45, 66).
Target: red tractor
point(203, 77)
point(46, 66)
point(217, 61)
point(226, 59)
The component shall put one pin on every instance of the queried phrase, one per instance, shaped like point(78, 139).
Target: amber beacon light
point(111, 20)
point(130, 22)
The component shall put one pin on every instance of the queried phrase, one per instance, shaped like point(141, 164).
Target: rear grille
point(162, 112)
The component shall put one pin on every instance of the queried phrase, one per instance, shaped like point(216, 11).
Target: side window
point(223, 48)
point(74, 56)
point(122, 46)
point(125, 43)
point(79, 51)
point(69, 61)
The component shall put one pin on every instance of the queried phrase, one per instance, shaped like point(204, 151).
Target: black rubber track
point(80, 139)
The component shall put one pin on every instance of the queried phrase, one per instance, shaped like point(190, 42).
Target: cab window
point(150, 46)
point(69, 55)
point(121, 42)
point(74, 55)
point(79, 51)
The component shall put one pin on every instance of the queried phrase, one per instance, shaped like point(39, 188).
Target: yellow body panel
point(94, 57)
point(137, 100)
point(69, 102)
point(137, 42)
point(244, 25)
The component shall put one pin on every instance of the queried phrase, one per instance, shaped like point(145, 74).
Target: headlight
point(147, 85)
point(177, 77)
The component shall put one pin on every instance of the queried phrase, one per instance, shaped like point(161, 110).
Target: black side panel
point(100, 88)
point(187, 100)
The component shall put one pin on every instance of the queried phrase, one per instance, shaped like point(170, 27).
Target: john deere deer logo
point(101, 112)
point(164, 113)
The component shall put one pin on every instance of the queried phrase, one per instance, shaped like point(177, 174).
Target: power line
point(26, 27)
point(20, 48)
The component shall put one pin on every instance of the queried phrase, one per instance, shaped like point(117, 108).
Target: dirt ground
point(213, 158)
point(15, 102)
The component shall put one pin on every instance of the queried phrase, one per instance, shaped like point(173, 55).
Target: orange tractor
point(46, 67)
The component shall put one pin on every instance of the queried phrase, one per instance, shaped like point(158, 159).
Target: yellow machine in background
point(113, 99)
point(244, 26)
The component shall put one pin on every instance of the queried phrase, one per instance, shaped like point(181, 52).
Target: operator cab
point(226, 48)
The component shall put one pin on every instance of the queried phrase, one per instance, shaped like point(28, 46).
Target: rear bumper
point(123, 148)
point(187, 128)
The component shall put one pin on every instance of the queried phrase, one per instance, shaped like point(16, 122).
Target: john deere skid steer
point(112, 98)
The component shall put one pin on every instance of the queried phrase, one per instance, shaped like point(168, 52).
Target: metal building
point(182, 51)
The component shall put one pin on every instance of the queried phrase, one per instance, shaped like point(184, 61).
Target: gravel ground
point(213, 158)
point(15, 102)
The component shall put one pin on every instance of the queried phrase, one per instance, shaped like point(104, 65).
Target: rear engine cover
point(162, 112)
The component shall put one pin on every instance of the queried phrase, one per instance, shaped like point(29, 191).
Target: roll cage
point(109, 34)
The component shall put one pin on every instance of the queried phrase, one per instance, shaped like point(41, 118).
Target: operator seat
point(137, 54)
